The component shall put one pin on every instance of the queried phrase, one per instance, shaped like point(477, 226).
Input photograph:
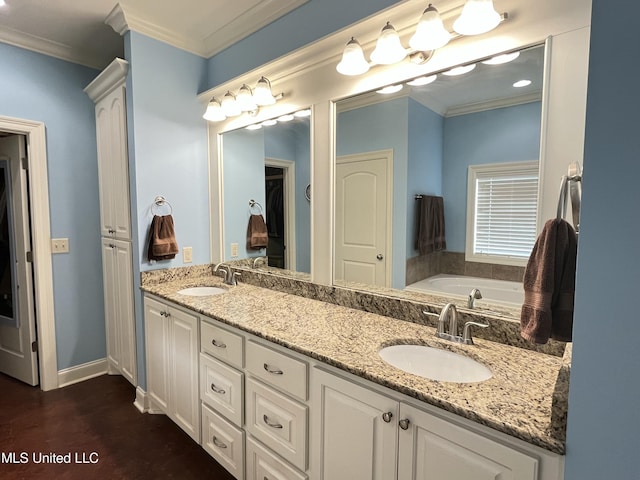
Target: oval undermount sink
point(435, 363)
point(201, 291)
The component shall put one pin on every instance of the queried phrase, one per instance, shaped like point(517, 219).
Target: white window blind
point(505, 209)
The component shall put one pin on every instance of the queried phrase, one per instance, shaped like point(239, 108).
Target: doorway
point(18, 352)
point(279, 183)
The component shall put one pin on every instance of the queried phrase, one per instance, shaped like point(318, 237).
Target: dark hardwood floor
point(93, 421)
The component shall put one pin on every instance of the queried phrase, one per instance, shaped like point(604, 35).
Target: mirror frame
point(307, 77)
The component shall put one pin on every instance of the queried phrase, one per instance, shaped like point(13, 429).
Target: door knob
point(380, 256)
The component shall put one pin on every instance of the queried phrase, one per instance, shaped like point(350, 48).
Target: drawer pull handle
point(218, 344)
point(404, 423)
point(218, 443)
point(217, 390)
point(270, 370)
point(272, 425)
point(386, 416)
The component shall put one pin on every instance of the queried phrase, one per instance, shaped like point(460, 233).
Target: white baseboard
point(80, 373)
point(142, 400)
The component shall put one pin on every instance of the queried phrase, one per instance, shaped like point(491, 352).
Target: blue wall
point(603, 436)
point(313, 20)
point(40, 88)
point(509, 134)
point(168, 154)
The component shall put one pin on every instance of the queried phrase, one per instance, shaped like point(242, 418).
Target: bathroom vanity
point(290, 387)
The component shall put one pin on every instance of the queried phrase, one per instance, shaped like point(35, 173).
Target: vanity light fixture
point(430, 32)
point(478, 16)
point(502, 59)
point(417, 82)
point(461, 70)
point(3, 3)
point(245, 101)
point(390, 89)
point(388, 49)
point(522, 83)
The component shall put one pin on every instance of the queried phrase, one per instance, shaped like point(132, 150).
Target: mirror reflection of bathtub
point(458, 287)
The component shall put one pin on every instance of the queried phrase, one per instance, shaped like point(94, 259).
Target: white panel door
point(359, 431)
point(432, 448)
point(125, 310)
point(156, 329)
point(17, 318)
point(363, 216)
point(110, 287)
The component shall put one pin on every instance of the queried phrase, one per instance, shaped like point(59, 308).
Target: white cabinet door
point(119, 311)
point(184, 408)
point(432, 448)
point(156, 328)
point(359, 434)
point(113, 165)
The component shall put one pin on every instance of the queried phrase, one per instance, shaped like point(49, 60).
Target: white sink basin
point(435, 364)
point(201, 291)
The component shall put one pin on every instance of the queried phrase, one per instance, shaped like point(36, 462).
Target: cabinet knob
point(272, 371)
point(217, 390)
point(218, 344)
point(218, 443)
point(404, 424)
point(387, 416)
point(271, 424)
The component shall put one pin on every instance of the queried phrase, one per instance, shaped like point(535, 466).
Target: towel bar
point(160, 201)
point(254, 204)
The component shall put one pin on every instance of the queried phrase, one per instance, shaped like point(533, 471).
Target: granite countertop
point(525, 398)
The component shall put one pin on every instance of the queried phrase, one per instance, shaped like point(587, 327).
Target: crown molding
point(493, 104)
point(48, 47)
point(109, 78)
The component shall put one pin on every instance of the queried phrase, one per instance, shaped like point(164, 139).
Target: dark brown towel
point(162, 239)
point(549, 285)
point(430, 236)
point(257, 235)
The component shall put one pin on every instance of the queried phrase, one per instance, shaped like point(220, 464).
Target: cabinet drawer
point(221, 388)
point(278, 422)
point(221, 343)
point(223, 441)
point(277, 369)
point(261, 464)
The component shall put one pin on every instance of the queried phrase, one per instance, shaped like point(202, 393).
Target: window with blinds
point(501, 223)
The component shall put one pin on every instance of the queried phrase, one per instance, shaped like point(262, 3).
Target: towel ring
point(253, 204)
point(160, 202)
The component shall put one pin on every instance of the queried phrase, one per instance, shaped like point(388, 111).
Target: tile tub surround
point(518, 400)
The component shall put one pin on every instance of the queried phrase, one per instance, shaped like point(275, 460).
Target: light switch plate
point(187, 255)
point(59, 245)
point(234, 250)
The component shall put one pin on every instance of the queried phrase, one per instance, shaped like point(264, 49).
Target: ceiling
point(75, 30)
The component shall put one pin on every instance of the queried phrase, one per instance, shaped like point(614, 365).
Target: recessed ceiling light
point(500, 59)
point(522, 83)
point(303, 113)
point(416, 82)
point(255, 126)
point(268, 123)
point(390, 89)
point(286, 118)
point(459, 70)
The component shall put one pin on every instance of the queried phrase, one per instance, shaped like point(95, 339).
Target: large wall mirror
point(266, 171)
point(402, 154)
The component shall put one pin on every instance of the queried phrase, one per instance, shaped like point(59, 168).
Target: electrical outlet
point(187, 255)
point(59, 245)
point(234, 250)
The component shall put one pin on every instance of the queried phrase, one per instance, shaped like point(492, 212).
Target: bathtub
point(494, 291)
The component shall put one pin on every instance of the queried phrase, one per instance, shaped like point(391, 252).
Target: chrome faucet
point(473, 296)
point(257, 260)
point(449, 312)
point(230, 277)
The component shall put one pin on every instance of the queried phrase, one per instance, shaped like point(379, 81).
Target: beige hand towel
point(162, 239)
point(549, 284)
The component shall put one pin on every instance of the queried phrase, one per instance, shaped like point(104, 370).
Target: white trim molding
point(41, 244)
point(142, 400)
point(108, 80)
point(80, 373)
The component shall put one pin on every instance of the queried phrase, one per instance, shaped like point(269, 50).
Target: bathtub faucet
point(473, 296)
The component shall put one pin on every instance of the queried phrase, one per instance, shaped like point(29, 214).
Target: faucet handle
point(234, 278)
point(466, 332)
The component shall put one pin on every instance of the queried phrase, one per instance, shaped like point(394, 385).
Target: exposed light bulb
point(430, 32)
point(353, 61)
point(388, 49)
point(478, 16)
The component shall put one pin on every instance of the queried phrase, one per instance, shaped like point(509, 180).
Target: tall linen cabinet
point(108, 93)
